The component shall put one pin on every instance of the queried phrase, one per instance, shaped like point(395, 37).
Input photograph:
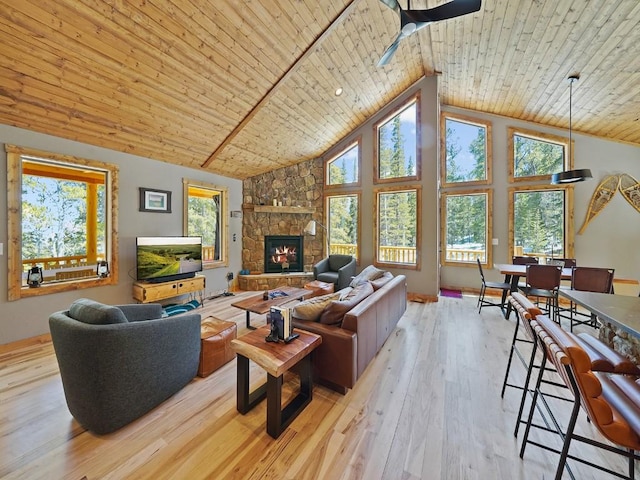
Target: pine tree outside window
point(205, 216)
point(466, 223)
point(398, 140)
point(467, 154)
point(397, 228)
point(343, 224)
point(538, 221)
point(344, 168)
point(535, 156)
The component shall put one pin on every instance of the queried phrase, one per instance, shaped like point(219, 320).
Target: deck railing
point(387, 254)
point(408, 254)
point(57, 263)
point(70, 267)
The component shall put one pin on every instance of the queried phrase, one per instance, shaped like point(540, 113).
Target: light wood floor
point(427, 407)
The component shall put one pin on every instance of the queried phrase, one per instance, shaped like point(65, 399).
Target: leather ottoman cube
point(215, 342)
point(318, 288)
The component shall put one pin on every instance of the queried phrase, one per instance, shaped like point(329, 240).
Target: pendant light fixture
point(571, 176)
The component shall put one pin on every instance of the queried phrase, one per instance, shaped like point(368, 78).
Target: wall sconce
point(102, 270)
point(35, 276)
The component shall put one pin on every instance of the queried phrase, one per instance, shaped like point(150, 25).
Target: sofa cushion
point(95, 313)
point(334, 312)
point(312, 309)
point(382, 281)
point(366, 275)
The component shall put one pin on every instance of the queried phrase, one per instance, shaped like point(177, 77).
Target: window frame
point(488, 226)
point(16, 290)
point(224, 220)
point(487, 125)
point(543, 137)
point(569, 240)
point(414, 99)
point(376, 211)
point(358, 195)
point(356, 143)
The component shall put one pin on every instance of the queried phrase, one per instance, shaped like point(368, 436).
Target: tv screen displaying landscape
point(172, 257)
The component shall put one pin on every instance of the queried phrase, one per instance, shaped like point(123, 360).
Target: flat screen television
point(164, 259)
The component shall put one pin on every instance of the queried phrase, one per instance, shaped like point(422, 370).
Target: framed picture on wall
point(154, 200)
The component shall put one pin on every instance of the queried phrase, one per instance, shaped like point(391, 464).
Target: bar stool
point(612, 402)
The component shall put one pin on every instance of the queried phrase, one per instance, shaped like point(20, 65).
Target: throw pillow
point(95, 313)
point(366, 275)
point(335, 311)
point(380, 282)
point(312, 309)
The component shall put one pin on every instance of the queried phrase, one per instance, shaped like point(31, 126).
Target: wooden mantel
point(273, 209)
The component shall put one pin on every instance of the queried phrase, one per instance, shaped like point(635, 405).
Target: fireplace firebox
point(283, 253)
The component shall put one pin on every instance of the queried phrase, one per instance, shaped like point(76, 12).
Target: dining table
point(512, 274)
point(622, 311)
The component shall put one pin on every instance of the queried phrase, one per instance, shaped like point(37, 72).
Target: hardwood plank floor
point(428, 407)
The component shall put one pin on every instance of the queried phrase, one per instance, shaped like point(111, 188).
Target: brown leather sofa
point(346, 350)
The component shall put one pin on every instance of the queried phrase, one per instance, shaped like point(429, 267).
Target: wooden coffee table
point(275, 358)
point(257, 304)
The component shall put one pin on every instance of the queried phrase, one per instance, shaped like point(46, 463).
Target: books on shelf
point(281, 318)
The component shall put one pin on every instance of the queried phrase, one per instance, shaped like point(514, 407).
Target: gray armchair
point(119, 362)
point(336, 269)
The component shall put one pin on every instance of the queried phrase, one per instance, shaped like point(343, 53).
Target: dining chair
point(562, 262)
point(589, 279)
point(502, 286)
point(543, 281)
point(523, 260)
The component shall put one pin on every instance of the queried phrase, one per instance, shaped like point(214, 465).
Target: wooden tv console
point(146, 292)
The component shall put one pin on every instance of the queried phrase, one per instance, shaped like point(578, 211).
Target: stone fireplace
point(283, 253)
point(300, 189)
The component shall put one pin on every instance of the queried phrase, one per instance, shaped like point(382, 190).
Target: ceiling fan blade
point(455, 8)
point(392, 4)
point(388, 53)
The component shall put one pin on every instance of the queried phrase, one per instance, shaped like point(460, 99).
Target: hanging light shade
point(571, 176)
point(578, 175)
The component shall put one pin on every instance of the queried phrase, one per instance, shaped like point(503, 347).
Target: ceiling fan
point(413, 20)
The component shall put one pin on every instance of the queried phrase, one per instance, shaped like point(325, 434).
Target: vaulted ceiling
point(243, 87)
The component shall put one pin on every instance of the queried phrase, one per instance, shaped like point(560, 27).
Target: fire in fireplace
point(283, 253)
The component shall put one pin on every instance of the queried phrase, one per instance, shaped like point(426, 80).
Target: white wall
point(611, 240)
point(28, 317)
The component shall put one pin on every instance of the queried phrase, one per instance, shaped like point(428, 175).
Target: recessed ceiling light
point(338, 91)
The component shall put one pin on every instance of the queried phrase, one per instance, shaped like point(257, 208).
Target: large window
point(343, 224)
point(205, 215)
point(397, 228)
point(466, 224)
point(344, 168)
point(466, 156)
point(535, 156)
point(539, 223)
point(342, 200)
point(398, 141)
point(62, 222)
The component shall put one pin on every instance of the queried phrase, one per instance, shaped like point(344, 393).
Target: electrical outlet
point(229, 276)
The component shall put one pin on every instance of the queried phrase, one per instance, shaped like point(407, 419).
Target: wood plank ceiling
point(240, 88)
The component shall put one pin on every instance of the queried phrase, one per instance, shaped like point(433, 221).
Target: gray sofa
point(119, 362)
